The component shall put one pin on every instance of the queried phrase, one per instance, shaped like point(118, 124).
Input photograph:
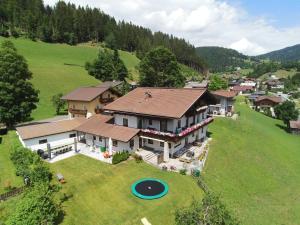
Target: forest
point(67, 23)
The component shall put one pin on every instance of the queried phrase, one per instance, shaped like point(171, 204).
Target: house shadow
point(209, 134)
point(285, 128)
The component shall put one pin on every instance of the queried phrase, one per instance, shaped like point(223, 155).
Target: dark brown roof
point(295, 124)
point(51, 128)
point(110, 84)
point(97, 125)
point(225, 93)
point(85, 94)
point(271, 98)
point(162, 102)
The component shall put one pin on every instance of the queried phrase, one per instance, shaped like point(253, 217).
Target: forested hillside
point(66, 23)
point(222, 59)
point(283, 55)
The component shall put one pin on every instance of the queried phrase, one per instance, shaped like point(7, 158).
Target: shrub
point(120, 156)
point(137, 158)
point(182, 171)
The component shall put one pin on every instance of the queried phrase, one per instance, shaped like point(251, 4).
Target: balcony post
point(166, 151)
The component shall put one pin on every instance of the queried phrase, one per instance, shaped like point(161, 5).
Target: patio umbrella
point(110, 146)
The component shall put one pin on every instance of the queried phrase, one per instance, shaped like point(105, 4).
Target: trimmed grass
point(255, 166)
point(51, 75)
point(7, 169)
point(102, 195)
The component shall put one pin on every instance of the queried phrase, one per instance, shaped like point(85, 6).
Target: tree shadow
point(209, 134)
point(285, 128)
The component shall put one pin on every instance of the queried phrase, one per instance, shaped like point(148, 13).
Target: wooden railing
point(78, 111)
point(106, 100)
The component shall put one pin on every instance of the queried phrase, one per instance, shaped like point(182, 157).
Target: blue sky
point(281, 13)
point(252, 27)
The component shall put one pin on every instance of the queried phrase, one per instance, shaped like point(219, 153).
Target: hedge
point(120, 156)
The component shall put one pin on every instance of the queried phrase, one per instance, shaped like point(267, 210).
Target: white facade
point(53, 140)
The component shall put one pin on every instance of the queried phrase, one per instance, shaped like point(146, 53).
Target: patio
point(182, 161)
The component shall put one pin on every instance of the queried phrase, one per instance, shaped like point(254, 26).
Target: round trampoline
point(149, 188)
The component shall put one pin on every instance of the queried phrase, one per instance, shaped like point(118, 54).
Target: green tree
point(120, 67)
point(17, 96)
point(57, 102)
point(110, 41)
point(36, 207)
point(217, 83)
point(211, 211)
point(159, 68)
point(286, 111)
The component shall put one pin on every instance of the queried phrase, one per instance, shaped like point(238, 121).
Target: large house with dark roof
point(162, 120)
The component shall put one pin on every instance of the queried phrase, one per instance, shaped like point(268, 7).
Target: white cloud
point(205, 22)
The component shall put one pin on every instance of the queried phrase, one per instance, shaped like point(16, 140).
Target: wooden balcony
point(78, 111)
point(106, 100)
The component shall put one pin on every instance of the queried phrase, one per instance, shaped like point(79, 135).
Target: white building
point(225, 103)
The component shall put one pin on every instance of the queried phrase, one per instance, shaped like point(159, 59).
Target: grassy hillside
point(255, 165)
point(51, 75)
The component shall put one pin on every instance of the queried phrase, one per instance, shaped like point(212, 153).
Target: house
point(168, 118)
point(58, 133)
point(87, 101)
point(255, 95)
point(163, 120)
point(274, 84)
point(249, 82)
point(241, 90)
point(263, 103)
point(295, 127)
point(225, 105)
point(195, 84)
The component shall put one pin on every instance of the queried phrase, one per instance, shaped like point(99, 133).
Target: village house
point(225, 103)
point(163, 120)
point(196, 84)
point(263, 103)
point(243, 90)
point(295, 127)
point(87, 101)
point(274, 84)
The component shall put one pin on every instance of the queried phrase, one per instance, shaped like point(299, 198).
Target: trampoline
point(149, 188)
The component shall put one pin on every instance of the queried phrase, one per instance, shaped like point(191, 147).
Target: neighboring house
point(59, 133)
point(295, 127)
point(249, 82)
point(87, 101)
point(168, 118)
point(241, 90)
point(274, 84)
point(225, 105)
point(252, 98)
point(195, 84)
point(263, 103)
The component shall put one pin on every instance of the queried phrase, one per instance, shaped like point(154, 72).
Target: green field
point(52, 76)
point(7, 169)
point(255, 166)
point(102, 195)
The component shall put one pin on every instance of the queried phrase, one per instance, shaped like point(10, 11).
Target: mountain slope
point(221, 59)
point(286, 54)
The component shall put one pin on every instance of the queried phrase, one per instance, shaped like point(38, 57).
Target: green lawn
point(101, 192)
point(51, 75)
point(7, 169)
point(255, 166)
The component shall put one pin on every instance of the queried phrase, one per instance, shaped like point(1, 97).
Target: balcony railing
point(78, 111)
point(106, 100)
point(181, 133)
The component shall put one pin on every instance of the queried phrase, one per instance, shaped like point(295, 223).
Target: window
point(100, 139)
point(169, 145)
point(84, 107)
point(43, 141)
point(125, 122)
point(115, 143)
point(150, 141)
point(108, 95)
point(202, 131)
point(131, 143)
point(163, 125)
point(193, 134)
point(150, 122)
point(73, 106)
point(179, 124)
point(72, 135)
point(162, 144)
point(94, 138)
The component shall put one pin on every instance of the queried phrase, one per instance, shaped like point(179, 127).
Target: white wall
point(132, 120)
point(53, 140)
